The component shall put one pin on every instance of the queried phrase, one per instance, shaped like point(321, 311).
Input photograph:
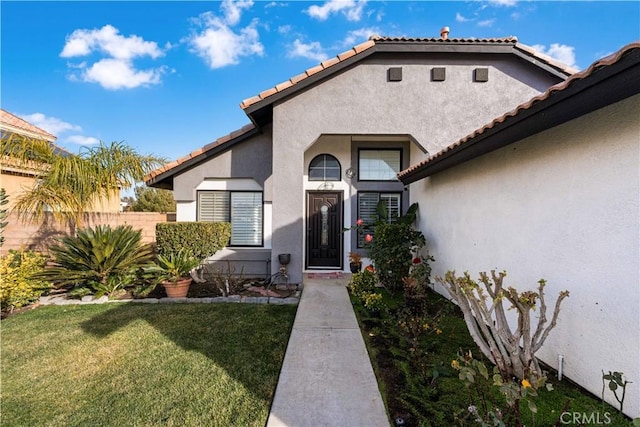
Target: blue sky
point(168, 77)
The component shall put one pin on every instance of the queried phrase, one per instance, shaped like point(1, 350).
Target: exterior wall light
point(350, 173)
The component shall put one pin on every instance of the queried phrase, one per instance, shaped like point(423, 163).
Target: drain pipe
point(560, 366)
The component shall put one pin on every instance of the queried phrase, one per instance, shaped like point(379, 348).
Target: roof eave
point(164, 180)
point(603, 87)
point(260, 112)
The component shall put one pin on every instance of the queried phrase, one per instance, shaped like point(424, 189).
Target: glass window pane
point(379, 165)
point(246, 219)
point(213, 206)
point(324, 167)
point(367, 203)
point(367, 211)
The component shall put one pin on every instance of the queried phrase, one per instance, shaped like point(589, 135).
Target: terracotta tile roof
point(604, 62)
point(13, 121)
point(200, 151)
point(546, 58)
point(380, 40)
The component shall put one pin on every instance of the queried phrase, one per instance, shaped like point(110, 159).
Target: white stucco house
point(325, 146)
point(377, 123)
point(551, 190)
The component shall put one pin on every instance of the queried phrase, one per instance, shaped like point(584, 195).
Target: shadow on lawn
point(247, 341)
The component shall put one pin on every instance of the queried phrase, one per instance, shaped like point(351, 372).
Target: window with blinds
point(379, 165)
point(367, 211)
point(243, 209)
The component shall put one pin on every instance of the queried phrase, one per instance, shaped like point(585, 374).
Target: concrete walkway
point(326, 377)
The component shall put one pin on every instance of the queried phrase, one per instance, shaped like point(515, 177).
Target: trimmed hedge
point(198, 239)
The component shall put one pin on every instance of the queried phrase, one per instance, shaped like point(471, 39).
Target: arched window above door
point(324, 167)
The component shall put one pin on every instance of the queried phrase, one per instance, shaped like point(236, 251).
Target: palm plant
point(68, 185)
point(104, 258)
point(176, 266)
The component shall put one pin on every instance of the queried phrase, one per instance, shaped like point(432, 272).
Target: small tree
point(68, 185)
point(153, 200)
point(512, 351)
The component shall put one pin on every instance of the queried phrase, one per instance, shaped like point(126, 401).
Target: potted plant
point(355, 262)
point(174, 272)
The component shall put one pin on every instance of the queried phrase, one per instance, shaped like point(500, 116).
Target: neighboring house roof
point(609, 80)
point(12, 123)
point(259, 108)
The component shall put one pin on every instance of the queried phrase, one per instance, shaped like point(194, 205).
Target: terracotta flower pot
point(177, 289)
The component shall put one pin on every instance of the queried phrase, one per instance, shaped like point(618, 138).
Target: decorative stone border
point(61, 300)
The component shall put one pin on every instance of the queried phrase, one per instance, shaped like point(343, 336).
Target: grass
point(422, 387)
point(142, 364)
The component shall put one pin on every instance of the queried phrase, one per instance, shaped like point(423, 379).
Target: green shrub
point(362, 283)
point(391, 251)
point(103, 258)
point(373, 302)
point(17, 288)
point(199, 239)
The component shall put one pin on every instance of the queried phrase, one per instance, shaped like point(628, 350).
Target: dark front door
point(324, 229)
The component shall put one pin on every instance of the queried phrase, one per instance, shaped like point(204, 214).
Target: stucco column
point(288, 200)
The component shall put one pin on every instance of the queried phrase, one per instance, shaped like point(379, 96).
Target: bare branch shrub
point(512, 351)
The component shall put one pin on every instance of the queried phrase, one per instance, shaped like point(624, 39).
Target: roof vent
point(444, 33)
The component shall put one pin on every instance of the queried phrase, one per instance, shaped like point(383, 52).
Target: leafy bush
point(199, 239)
point(362, 283)
point(104, 258)
point(391, 252)
point(373, 302)
point(17, 288)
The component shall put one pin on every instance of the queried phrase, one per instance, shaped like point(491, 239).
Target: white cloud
point(116, 71)
point(461, 18)
point(284, 29)
point(351, 9)
point(233, 10)
point(53, 125)
point(486, 22)
point(559, 52)
point(311, 50)
point(57, 126)
point(275, 4)
point(108, 40)
point(220, 46)
point(82, 140)
point(116, 74)
point(358, 36)
point(507, 3)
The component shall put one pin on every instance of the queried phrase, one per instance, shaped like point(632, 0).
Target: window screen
point(379, 165)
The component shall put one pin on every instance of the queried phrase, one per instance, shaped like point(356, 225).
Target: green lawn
point(428, 392)
point(143, 364)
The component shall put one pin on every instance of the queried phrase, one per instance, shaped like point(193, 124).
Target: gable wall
point(361, 101)
point(247, 159)
point(562, 205)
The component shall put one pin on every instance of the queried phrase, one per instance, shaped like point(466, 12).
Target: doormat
point(331, 275)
